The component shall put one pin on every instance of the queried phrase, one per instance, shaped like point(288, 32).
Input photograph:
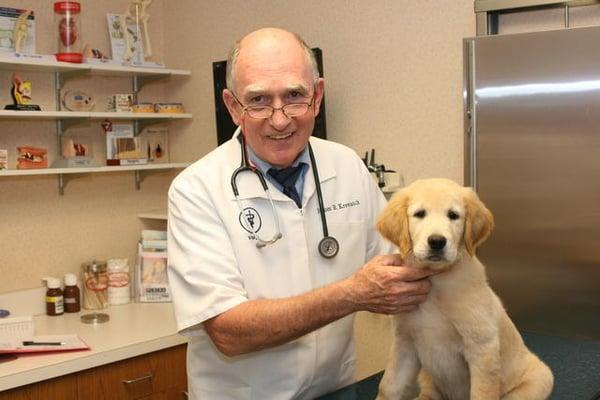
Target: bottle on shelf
point(54, 297)
point(71, 293)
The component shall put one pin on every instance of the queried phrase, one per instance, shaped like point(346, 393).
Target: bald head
point(264, 43)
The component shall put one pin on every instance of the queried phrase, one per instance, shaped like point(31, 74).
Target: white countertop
point(133, 329)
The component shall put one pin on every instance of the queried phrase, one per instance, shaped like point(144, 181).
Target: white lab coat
point(214, 266)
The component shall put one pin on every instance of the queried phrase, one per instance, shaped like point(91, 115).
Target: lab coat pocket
point(225, 393)
point(352, 237)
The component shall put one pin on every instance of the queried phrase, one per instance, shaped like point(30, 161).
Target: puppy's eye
point(420, 214)
point(453, 215)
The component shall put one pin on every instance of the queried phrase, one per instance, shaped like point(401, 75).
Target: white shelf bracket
point(140, 81)
point(141, 124)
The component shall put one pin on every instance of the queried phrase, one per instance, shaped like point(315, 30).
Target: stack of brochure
point(152, 283)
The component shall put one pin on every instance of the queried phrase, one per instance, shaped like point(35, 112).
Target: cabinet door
point(61, 388)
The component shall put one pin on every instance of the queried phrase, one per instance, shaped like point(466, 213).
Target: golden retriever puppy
point(460, 344)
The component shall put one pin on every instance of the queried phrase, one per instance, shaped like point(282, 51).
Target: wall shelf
point(67, 115)
point(30, 63)
point(63, 71)
point(67, 174)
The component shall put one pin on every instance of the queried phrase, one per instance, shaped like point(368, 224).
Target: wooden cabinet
point(160, 375)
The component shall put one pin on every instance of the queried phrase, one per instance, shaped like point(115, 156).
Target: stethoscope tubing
point(328, 246)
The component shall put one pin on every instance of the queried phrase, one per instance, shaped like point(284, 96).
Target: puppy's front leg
point(399, 381)
point(484, 366)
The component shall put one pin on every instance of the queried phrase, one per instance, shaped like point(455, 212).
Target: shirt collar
point(264, 166)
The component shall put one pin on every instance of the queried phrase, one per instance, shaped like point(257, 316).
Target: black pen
point(32, 343)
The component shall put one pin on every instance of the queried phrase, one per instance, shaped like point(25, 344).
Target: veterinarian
point(265, 289)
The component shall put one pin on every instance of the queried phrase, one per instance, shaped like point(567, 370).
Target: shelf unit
point(64, 71)
point(160, 215)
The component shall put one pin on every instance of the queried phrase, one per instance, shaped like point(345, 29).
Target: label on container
point(58, 303)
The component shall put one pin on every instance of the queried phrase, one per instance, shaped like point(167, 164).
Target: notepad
point(41, 344)
point(15, 332)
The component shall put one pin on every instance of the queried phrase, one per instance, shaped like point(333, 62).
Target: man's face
point(274, 73)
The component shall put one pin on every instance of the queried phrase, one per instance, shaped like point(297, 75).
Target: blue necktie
point(287, 178)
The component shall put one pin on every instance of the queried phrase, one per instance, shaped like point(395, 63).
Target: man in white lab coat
point(275, 322)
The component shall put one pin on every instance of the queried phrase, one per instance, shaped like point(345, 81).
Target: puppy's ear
point(393, 222)
point(479, 221)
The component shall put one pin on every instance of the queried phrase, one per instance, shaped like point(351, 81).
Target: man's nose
point(279, 120)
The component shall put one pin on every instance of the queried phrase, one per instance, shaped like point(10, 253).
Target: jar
point(67, 20)
point(118, 281)
point(95, 285)
point(71, 294)
point(54, 297)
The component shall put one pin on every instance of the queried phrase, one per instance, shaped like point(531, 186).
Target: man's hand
point(384, 286)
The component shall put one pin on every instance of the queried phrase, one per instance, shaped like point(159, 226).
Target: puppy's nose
point(436, 242)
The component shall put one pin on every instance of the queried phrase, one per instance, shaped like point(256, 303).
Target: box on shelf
point(152, 282)
point(123, 147)
point(120, 103)
point(155, 141)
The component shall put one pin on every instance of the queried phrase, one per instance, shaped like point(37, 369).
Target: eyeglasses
point(291, 110)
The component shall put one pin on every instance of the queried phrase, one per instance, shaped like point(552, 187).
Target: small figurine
point(20, 31)
point(89, 52)
point(21, 95)
point(73, 149)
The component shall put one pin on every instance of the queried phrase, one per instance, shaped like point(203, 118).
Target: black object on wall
point(226, 127)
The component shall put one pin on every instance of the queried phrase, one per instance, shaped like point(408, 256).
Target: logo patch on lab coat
point(250, 220)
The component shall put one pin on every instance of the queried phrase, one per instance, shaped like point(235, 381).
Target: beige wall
point(393, 82)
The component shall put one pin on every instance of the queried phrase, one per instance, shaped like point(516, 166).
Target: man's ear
point(318, 95)
point(393, 222)
point(234, 108)
point(479, 221)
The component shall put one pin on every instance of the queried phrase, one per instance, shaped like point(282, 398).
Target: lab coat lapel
point(325, 168)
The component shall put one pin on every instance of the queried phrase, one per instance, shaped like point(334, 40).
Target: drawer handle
point(148, 375)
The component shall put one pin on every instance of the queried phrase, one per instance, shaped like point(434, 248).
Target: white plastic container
point(119, 290)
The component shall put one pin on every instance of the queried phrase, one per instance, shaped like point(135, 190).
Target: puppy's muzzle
point(436, 243)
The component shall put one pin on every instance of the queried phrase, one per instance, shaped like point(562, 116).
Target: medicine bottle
point(54, 297)
point(71, 294)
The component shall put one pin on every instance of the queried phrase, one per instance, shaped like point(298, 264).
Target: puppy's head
point(434, 221)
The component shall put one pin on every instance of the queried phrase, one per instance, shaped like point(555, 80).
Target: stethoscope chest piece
point(329, 247)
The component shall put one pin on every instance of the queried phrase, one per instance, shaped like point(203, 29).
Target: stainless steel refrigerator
point(532, 152)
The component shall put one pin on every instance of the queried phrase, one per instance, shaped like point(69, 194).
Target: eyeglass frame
point(273, 109)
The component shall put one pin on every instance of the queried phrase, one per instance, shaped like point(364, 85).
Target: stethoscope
point(328, 246)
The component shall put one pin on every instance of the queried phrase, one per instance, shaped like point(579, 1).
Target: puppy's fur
point(460, 344)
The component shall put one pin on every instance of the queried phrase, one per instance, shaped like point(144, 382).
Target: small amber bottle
point(54, 297)
point(71, 294)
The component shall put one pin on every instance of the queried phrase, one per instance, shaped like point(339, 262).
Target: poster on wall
point(8, 17)
point(118, 42)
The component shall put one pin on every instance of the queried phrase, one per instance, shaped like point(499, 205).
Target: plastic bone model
point(136, 13)
point(20, 31)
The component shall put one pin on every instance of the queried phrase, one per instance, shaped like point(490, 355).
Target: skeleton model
point(20, 32)
point(136, 13)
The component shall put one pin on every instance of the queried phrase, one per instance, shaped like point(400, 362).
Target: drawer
point(61, 388)
point(135, 378)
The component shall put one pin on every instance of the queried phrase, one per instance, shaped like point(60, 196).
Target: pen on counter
point(32, 343)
